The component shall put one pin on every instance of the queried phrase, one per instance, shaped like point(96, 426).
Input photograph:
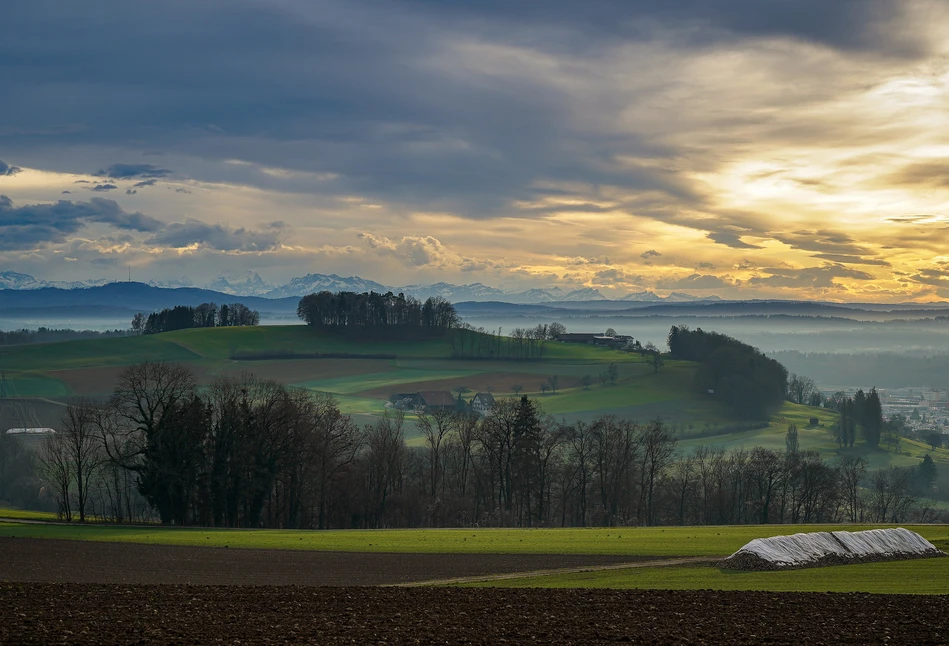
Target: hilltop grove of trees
point(182, 317)
point(752, 385)
point(390, 314)
point(248, 452)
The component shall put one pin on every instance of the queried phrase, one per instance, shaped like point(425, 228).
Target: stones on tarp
point(816, 549)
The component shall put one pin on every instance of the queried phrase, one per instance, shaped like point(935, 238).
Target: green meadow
point(711, 541)
point(923, 576)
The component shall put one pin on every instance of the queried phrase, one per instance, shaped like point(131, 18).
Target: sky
point(741, 148)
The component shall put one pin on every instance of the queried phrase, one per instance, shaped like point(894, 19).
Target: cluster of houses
point(429, 401)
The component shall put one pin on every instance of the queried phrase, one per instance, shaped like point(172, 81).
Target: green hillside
point(818, 438)
point(364, 374)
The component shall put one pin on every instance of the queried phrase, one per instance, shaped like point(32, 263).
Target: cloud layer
point(721, 146)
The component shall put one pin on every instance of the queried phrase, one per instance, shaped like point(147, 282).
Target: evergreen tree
point(872, 419)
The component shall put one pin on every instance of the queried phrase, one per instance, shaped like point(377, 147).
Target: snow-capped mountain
point(16, 280)
point(536, 295)
point(642, 297)
point(78, 284)
point(184, 281)
point(584, 294)
point(312, 283)
point(247, 284)
point(453, 293)
point(674, 297)
point(251, 284)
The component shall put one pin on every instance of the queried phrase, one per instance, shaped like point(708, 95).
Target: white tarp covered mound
point(830, 548)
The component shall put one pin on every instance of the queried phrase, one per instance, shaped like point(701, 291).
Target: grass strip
point(921, 576)
point(651, 541)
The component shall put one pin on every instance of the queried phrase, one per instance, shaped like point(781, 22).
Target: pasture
point(614, 558)
point(710, 541)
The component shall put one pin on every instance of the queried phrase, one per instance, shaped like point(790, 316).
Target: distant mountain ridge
point(251, 284)
point(311, 283)
point(16, 280)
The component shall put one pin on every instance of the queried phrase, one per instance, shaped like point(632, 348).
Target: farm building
point(432, 400)
point(482, 403)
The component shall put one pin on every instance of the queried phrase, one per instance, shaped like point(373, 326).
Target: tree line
point(386, 314)
point(182, 317)
point(51, 335)
point(752, 385)
point(247, 452)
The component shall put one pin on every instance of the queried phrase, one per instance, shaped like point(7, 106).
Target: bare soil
point(148, 614)
point(43, 560)
point(65, 592)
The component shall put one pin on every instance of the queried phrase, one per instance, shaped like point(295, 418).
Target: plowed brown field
point(23, 559)
point(123, 614)
point(132, 609)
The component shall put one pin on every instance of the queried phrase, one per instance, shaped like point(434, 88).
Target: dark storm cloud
point(730, 239)
point(806, 278)
point(835, 246)
point(217, 236)
point(37, 225)
point(8, 169)
point(851, 260)
point(132, 171)
point(359, 88)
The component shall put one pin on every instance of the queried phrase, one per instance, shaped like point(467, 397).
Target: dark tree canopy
point(376, 312)
point(741, 376)
point(182, 317)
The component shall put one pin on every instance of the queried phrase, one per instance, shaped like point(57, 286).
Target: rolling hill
point(363, 374)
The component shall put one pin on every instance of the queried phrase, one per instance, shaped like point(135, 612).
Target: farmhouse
point(433, 400)
point(482, 404)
